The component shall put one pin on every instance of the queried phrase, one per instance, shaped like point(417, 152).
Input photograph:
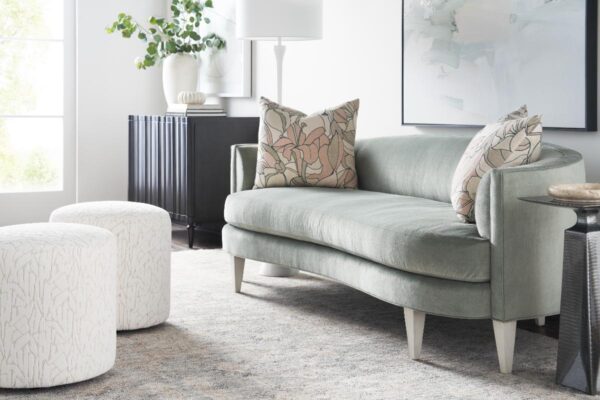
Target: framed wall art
point(468, 62)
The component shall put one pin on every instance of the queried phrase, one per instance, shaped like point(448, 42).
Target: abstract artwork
point(467, 61)
point(225, 73)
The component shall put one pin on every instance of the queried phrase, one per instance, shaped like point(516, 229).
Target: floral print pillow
point(514, 140)
point(299, 150)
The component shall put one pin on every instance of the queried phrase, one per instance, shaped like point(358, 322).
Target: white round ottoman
point(57, 304)
point(144, 256)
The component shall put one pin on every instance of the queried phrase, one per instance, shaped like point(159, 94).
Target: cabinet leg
point(190, 230)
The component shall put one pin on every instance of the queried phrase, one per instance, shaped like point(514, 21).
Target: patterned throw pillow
point(515, 140)
point(299, 150)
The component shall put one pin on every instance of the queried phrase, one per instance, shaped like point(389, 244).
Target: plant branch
point(165, 37)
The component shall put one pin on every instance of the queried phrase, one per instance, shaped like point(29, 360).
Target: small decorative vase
point(191, 98)
point(180, 74)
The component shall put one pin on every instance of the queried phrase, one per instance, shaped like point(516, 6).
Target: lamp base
point(279, 53)
point(276, 271)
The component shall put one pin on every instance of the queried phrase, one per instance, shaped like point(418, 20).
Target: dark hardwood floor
point(550, 329)
point(203, 239)
point(207, 240)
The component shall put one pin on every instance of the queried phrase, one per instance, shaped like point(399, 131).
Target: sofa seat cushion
point(411, 234)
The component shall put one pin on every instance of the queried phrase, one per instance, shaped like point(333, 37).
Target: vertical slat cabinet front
point(163, 153)
point(177, 186)
point(147, 164)
point(168, 165)
point(154, 160)
point(182, 164)
point(133, 162)
point(138, 159)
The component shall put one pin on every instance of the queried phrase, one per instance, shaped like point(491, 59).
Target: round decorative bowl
point(583, 192)
point(196, 98)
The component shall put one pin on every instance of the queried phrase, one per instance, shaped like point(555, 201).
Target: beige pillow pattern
point(514, 140)
point(299, 150)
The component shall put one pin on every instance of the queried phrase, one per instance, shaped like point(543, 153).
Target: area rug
point(305, 338)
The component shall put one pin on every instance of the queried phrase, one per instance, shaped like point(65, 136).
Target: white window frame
point(16, 208)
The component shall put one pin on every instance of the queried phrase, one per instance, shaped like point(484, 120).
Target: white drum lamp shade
point(279, 19)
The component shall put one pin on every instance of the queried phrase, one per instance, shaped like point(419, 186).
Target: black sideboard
point(182, 164)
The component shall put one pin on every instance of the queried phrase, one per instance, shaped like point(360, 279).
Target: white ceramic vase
point(180, 74)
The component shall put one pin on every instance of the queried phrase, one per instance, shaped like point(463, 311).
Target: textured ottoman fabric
point(144, 256)
point(57, 304)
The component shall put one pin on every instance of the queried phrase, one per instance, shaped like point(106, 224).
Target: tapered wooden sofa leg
point(415, 324)
point(238, 272)
point(505, 333)
point(540, 321)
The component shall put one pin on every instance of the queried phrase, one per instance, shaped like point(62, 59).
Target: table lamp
point(279, 20)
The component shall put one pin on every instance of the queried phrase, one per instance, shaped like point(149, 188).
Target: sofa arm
point(526, 239)
point(243, 166)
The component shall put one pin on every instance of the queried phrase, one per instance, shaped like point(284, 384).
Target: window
point(32, 93)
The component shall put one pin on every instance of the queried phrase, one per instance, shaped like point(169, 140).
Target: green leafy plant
point(177, 35)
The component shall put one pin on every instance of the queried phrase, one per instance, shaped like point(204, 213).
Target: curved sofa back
point(423, 165)
point(412, 165)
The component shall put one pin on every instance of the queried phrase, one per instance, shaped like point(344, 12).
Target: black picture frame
point(591, 76)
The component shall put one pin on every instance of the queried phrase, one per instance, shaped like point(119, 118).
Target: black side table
point(182, 164)
point(579, 335)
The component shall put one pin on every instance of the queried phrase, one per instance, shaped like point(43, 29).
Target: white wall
point(109, 88)
point(361, 56)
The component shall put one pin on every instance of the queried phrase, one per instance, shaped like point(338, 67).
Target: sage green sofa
point(397, 238)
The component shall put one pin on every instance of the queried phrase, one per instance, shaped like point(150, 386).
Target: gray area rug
point(305, 338)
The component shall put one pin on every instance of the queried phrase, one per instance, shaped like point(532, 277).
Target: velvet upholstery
point(408, 233)
point(433, 295)
point(525, 240)
point(563, 165)
point(243, 166)
point(415, 165)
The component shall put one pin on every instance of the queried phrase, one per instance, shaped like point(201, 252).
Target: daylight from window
point(31, 95)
